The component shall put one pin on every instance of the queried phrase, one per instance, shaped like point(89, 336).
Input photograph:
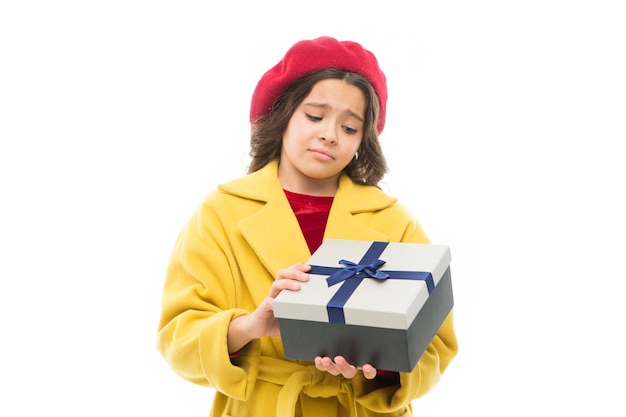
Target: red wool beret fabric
point(308, 56)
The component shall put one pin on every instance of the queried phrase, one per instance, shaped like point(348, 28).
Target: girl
point(316, 162)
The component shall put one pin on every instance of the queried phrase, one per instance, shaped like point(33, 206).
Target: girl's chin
point(314, 175)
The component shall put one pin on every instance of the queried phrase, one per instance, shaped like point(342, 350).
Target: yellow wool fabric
point(222, 266)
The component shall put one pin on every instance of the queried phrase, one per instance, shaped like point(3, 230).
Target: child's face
point(322, 137)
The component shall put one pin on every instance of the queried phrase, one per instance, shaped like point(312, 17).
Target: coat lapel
point(352, 199)
point(274, 233)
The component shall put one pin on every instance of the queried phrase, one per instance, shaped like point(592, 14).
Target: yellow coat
point(222, 266)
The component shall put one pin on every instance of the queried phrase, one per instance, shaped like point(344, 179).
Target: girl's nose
point(328, 134)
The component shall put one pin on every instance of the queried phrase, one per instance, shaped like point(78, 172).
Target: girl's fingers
point(369, 372)
point(296, 273)
point(290, 279)
point(337, 367)
point(283, 284)
point(345, 368)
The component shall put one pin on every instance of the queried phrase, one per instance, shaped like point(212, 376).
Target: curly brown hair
point(267, 132)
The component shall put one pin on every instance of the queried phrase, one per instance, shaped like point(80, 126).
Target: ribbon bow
point(353, 269)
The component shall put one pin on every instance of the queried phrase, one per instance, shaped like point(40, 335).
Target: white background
point(505, 131)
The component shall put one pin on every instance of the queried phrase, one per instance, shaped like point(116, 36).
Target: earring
point(356, 156)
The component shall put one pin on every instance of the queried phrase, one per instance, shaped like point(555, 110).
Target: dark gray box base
point(385, 349)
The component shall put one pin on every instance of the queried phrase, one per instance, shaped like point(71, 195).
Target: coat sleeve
point(380, 397)
point(198, 303)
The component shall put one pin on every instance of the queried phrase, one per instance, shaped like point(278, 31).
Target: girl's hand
point(341, 367)
point(289, 279)
point(286, 279)
point(261, 322)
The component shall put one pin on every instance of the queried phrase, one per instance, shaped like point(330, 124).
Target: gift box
point(372, 302)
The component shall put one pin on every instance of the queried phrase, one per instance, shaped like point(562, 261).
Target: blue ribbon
point(353, 274)
point(371, 270)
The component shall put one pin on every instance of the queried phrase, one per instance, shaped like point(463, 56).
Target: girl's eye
point(313, 118)
point(349, 130)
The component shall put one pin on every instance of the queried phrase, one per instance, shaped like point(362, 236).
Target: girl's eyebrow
point(326, 106)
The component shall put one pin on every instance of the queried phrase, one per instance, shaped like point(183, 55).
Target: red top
point(312, 214)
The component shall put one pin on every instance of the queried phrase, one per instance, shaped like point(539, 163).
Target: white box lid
point(390, 303)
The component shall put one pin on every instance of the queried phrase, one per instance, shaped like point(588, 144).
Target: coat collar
point(273, 231)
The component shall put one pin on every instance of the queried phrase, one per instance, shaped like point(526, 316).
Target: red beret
point(308, 56)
